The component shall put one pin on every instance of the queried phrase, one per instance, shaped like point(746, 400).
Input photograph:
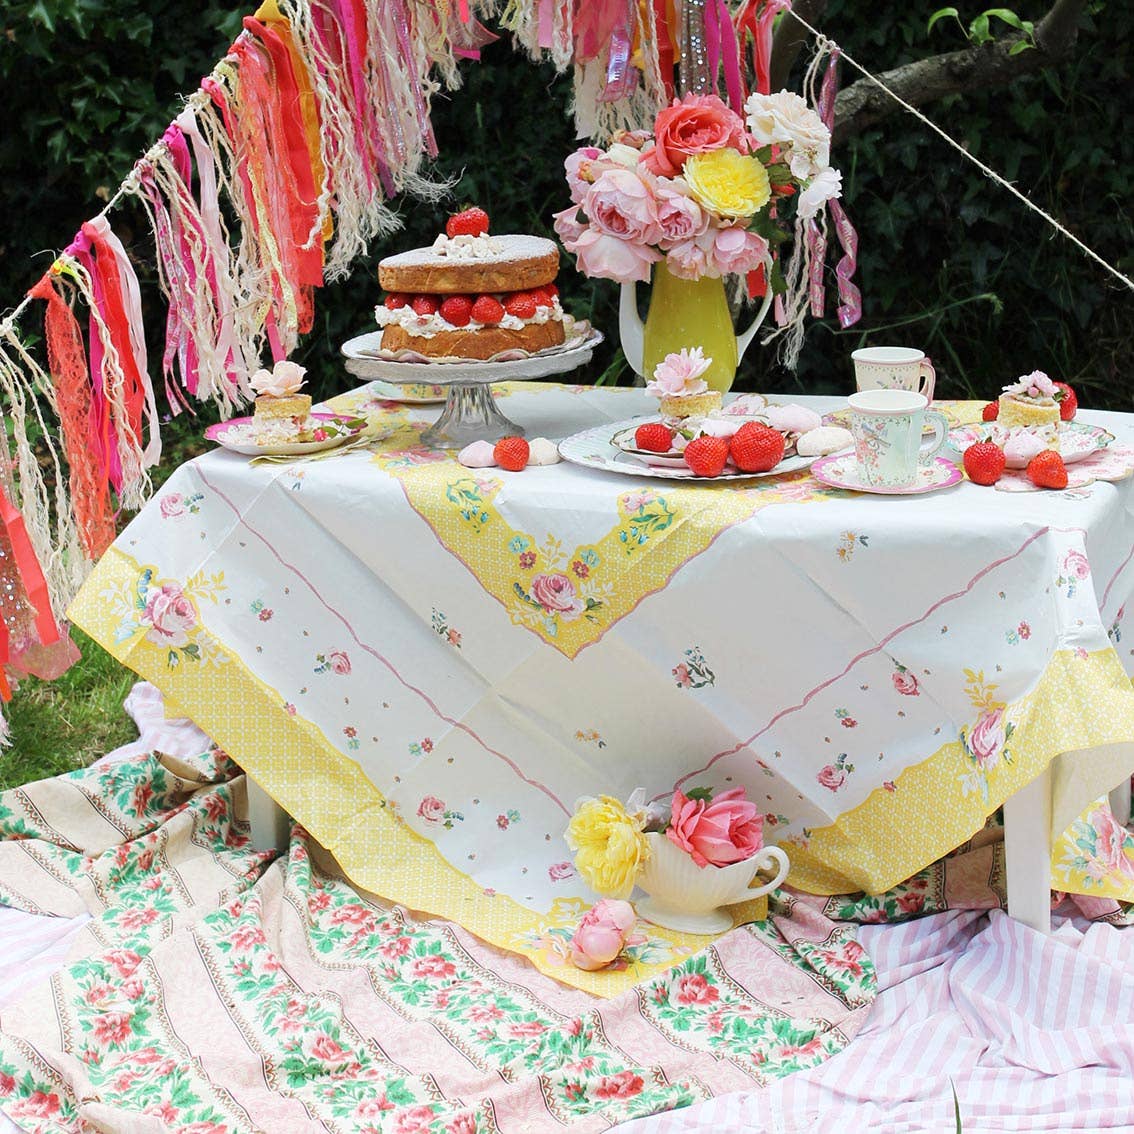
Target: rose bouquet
point(707, 192)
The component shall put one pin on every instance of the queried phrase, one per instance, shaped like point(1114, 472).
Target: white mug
point(887, 428)
point(894, 368)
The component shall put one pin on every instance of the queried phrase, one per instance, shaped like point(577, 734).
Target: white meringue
point(541, 451)
point(1022, 445)
point(823, 440)
point(478, 455)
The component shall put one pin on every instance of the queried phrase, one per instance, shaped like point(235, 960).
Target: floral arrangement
point(707, 192)
point(609, 839)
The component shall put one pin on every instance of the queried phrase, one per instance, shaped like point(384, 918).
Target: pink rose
point(832, 777)
point(680, 373)
point(463, 1124)
point(338, 661)
point(693, 988)
point(172, 504)
point(169, 614)
point(624, 1085)
point(608, 258)
point(112, 1027)
point(602, 934)
point(621, 204)
point(679, 216)
point(986, 738)
point(583, 168)
point(692, 259)
point(326, 1049)
point(905, 683)
point(557, 871)
point(1076, 565)
point(692, 125)
point(736, 250)
point(431, 809)
point(568, 227)
point(556, 594)
point(728, 829)
point(416, 1120)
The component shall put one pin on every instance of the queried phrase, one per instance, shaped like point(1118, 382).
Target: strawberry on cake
point(472, 295)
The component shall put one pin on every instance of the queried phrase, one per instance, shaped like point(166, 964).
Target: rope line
point(824, 44)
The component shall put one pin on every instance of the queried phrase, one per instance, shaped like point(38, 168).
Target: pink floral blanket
point(214, 990)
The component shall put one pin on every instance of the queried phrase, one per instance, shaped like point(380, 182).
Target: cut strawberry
point(468, 222)
point(984, 462)
point(424, 304)
point(706, 456)
point(487, 309)
point(990, 412)
point(654, 437)
point(512, 453)
point(756, 447)
point(522, 304)
point(1047, 470)
point(542, 296)
point(457, 309)
point(396, 300)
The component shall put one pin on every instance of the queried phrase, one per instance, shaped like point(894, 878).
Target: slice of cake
point(1031, 402)
point(277, 394)
point(678, 384)
point(472, 295)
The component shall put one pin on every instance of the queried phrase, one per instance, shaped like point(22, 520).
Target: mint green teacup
point(887, 426)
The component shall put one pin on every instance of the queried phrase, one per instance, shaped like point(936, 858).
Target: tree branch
point(863, 103)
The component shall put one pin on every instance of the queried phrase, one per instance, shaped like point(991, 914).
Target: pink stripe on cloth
point(1030, 1030)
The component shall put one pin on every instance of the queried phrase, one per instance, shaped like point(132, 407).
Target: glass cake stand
point(470, 412)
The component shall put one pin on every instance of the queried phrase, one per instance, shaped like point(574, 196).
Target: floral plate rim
point(216, 433)
point(838, 471)
point(1093, 439)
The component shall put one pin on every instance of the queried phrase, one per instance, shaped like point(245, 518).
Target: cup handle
point(928, 377)
point(940, 425)
point(764, 859)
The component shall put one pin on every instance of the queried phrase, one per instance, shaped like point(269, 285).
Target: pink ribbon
point(722, 48)
point(621, 76)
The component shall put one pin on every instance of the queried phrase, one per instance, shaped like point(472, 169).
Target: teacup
point(887, 426)
point(894, 368)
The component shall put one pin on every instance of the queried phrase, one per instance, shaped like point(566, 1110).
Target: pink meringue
point(792, 418)
point(478, 455)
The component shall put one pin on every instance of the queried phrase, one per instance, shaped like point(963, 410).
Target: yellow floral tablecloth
point(426, 665)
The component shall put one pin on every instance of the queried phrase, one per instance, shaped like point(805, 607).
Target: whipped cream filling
point(425, 326)
point(466, 247)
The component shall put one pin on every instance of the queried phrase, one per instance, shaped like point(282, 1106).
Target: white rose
point(624, 155)
point(827, 183)
point(283, 379)
point(785, 119)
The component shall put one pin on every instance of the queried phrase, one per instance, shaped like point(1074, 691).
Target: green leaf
point(1007, 16)
point(956, 1105)
point(702, 793)
point(1020, 45)
point(978, 29)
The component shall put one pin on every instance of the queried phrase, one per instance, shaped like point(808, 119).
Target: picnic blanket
point(211, 989)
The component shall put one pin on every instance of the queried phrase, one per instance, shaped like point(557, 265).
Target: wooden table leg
point(269, 821)
point(1027, 850)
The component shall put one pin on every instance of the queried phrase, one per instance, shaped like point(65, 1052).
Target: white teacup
point(887, 426)
point(894, 368)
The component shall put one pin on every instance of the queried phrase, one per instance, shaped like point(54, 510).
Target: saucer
point(1077, 440)
point(841, 471)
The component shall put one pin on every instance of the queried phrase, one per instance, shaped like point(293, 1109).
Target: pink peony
point(602, 934)
point(728, 829)
point(624, 1085)
point(326, 1049)
point(169, 614)
point(692, 125)
point(679, 216)
point(736, 251)
point(431, 809)
point(986, 739)
point(556, 594)
point(832, 777)
point(693, 988)
point(171, 505)
point(610, 258)
point(679, 374)
point(621, 204)
point(583, 168)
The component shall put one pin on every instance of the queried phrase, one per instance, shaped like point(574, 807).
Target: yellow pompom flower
point(729, 183)
point(610, 846)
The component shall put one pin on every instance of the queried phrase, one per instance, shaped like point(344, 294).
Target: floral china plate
point(242, 435)
point(413, 394)
point(841, 471)
point(1077, 440)
point(598, 448)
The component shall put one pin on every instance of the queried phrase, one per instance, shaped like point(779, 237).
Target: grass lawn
point(58, 726)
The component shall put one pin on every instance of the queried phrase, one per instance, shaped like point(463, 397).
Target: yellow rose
point(729, 183)
point(609, 846)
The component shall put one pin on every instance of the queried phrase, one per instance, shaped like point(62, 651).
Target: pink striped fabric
point(1031, 1031)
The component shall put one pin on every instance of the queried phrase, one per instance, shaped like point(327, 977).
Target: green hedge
point(948, 261)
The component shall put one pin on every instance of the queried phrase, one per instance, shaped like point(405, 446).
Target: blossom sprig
point(705, 192)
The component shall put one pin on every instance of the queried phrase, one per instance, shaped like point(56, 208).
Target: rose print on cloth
point(694, 672)
point(433, 810)
point(985, 742)
point(904, 681)
point(336, 661)
point(174, 505)
point(164, 613)
point(1097, 849)
point(833, 776)
point(1074, 569)
point(443, 630)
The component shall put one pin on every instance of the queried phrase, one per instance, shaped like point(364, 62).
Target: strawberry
point(984, 462)
point(552, 290)
point(706, 456)
point(522, 304)
point(990, 412)
point(511, 453)
point(756, 447)
point(1068, 403)
point(396, 300)
point(1047, 470)
point(456, 309)
point(424, 304)
point(542, 296)
point(468, 222)
point(487, 309)
point(654, 437)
